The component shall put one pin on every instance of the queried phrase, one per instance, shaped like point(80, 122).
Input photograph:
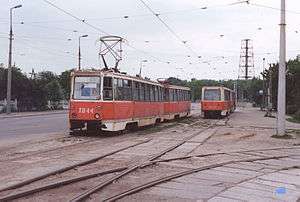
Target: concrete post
point(281, 99)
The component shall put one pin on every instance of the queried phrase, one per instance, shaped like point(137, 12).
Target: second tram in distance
point(113, 101)
point(217, 101)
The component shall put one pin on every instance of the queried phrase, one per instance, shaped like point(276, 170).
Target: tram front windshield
point(212, 94)
point(86, 88)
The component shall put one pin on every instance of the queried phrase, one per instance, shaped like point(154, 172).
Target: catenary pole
point(9, 68)
point(281, 99)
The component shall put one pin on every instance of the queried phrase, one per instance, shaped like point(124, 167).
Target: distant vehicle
point(217, 101)
point(113, 101)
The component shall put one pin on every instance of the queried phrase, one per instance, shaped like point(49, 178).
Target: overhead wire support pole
point(281, 97)
point(79, 50)
point(9, 68)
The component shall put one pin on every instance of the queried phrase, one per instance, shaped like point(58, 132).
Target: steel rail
point(187, 172)
point(63, 182)
point(60, 170)
point(219, 153)
point(58, 184)
point(130, 169)
point(119, 169)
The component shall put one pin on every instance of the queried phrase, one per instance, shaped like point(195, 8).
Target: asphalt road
point(23, 128)
point(19, 129)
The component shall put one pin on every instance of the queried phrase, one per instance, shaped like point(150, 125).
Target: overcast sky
point(41, 41)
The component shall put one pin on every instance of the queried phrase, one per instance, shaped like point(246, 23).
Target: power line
point(75, 17)
point(273, 8)
point(184, 11)
point(169, 28)
point(97, 28)
point(54, 52)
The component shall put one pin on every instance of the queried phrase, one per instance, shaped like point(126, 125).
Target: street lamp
point(281, 98)
point(141, 65)
point(79, 53)
point(9, 70)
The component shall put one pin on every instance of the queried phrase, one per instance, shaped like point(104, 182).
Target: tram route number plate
point(83, 110)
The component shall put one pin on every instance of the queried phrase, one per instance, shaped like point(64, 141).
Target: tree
point(65, 83)
point(292, 85)
point(54, 91)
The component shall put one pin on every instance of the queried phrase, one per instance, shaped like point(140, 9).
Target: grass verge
point(294, 119)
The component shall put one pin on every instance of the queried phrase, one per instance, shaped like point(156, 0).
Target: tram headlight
point(97, 116)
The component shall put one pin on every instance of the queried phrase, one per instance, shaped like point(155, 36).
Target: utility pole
point(246, 67)
point(141, 66)
point(246, 59)
point(281, 98)
point(9, 68)
point(79, 52)
point(264, 86)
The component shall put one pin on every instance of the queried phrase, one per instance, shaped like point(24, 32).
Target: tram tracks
point(183, 173)
point(61, 170)
point(136, 166)
point(146, 164)
point(149, 184)
point(81, 140)
point(125, 170)
point(83, 177)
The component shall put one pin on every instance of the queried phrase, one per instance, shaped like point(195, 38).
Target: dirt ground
point(236, 159)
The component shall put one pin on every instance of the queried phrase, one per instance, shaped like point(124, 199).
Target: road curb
point(34, 114)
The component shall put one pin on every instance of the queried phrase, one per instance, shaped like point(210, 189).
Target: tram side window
point(142, 92)
point(159, 93)
point(180, 95)
point(136, 91)
point(123, 89)
point(175, 95)
point(151, 89)
point(166, 94)
point(172, 96)
point(118, 89)
point(147, 92)
point(107, 88)
point(127, 90)
point(226, 95)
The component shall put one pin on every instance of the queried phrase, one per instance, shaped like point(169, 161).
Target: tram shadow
point(95, 134)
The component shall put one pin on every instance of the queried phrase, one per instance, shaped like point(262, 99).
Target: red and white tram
point(112, 101)
point(217, 101)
